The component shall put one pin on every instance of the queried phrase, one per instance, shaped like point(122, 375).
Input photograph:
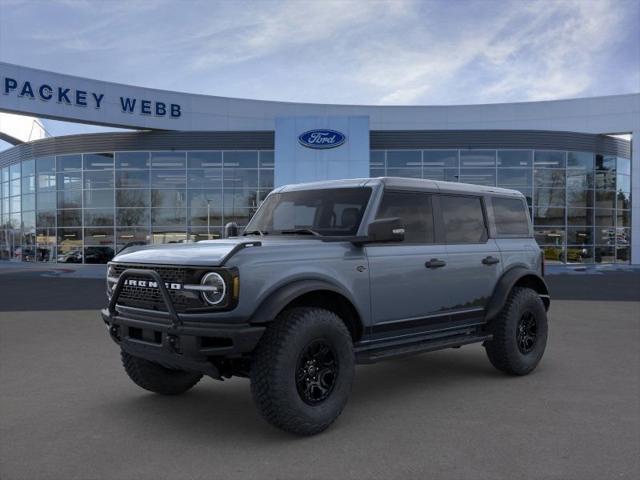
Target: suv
point(327, 275)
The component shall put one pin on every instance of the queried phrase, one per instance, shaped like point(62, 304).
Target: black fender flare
point(281, 297)
point(506, 283)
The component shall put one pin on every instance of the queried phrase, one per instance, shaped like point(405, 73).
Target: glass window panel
point(28, 184)
point(582, 160)
point(168, 217)
point(623, 237)
point(197, 234)
point(46, 181)
point(133, 198)
point(605, 199)
point(70, 180)
point(623, 183)
point(68, 199)
point(405, 172)
point(138, 160)
point(69, 162)
point(553, 255)
point(97, 161)
point(14, 171)
point(579, 254)
point(623, 200)
point(579, 178)
point(204, 159)
point(29, 221)
point(580, 236)
point(205, 178)
point(204, 198)
point(240, 198)
point(98, 199)
point(623, 166)
point(28, 168)
point(376, 172)
point(168, 179)
point(550, 236)
point(202, 216)
point(527, 192)
point(463, 219)
point(240, 159)
point(623, 254)
point(45, 165)
point(4, 174)
point(605, 235)
point(266, 179)
point(98, 254)
point(168, 198)
point(404, 158)
point(605, 180)
point(70, 218)
point(241, 216)
point(511, 177)
point(549, 159)
point(133, 216)
point(605, 163)
point(578, 197)
point(46, 201)
point(446, 174)
point(267, 159)
point(14, 187)
point(98, 217)
point(478, 176)
point(98, 236)
point(605, 254)
point(15, 204)
point(28, 253)
point(376, 159)
point(162, 235)
point(126, 237)
point(477, 158)
point(511, 217)
point(605, 217)
point(623, 218)
point(45, 253)
point(549, 178)
point(46, 218)
point(440, 158)
point(46, 236)
point(69, 245)
point(132, 178)
point(98, 179)
point(549, 215)
point(29, 202)
point(544, 197)
point(168, 160)
point(580, 216)
point(15, 220)
point(237, 178)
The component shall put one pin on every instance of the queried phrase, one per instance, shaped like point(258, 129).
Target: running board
point(372, 354)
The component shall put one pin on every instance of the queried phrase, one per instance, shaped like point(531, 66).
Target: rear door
point(407, 277)
point(474, 264)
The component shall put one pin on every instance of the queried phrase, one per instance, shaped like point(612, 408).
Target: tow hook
point(114, 331)
point(172, 340)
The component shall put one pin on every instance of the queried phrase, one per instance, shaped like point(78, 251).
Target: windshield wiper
point(255, 232)
point(300, 231)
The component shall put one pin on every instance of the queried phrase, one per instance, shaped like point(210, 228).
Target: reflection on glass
point(549, 236)
point(515, 158)
point(132, 216)
point(478, 176)
point(404, 158)
point(440, 159)
point(97, 161)
point(582, 160)
point(549, 159)
point(604, 254)
point(168, 160)
point(514, 177)
point(477, 158)
point(132, 160)
point(68, 162)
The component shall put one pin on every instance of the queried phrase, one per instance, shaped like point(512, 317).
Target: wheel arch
point(516, 277)
point(311, 293)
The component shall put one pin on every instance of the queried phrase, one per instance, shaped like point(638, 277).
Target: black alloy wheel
point(317, 372)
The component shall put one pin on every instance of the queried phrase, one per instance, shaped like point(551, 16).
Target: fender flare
point(282, 296)
point(506, 283)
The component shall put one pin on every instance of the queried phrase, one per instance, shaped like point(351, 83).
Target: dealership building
point(192, 163)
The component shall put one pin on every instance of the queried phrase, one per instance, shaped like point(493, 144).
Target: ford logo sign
point(322, 138)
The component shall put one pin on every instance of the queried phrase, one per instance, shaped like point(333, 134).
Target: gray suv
point(327, 275)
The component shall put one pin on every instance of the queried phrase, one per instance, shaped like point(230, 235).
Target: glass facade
point(580, 202)
point(82, 208)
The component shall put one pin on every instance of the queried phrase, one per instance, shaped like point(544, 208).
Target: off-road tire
point(503, 350)
point(156, 378)
point(276, 363)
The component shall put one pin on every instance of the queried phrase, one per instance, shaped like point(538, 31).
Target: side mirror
point(231, 230)
point(385, 230)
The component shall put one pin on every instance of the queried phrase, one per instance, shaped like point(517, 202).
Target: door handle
point(490, 260)
point(435, 263)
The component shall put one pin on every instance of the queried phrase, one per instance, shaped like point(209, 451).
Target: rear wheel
point(519, 333)
point(302, 370)
point(156, 378)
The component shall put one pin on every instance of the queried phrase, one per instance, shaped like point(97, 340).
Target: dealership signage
point(322, 138)
point(68, 95)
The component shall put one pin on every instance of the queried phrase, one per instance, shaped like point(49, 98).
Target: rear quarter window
point(510, 216)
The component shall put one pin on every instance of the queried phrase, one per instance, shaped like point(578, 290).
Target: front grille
point(151, 298)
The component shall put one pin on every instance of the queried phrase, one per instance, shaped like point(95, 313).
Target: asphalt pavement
point(68, 411)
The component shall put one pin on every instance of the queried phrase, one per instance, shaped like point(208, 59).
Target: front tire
point(519, 333)
point(156, 378)
point(302, 370)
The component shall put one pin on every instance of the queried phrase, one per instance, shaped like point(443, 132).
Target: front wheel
point(302, 370)
point(519, 333)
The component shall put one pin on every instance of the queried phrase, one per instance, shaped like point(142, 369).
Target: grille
point(151, 298)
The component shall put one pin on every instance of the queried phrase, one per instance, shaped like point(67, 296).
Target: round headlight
point(215, 288)
point(111, 279)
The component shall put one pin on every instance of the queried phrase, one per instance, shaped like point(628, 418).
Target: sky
point(395, 52)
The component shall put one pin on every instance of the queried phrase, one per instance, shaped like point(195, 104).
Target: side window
point(414, 210)
point(510, 216)
point(463, 219)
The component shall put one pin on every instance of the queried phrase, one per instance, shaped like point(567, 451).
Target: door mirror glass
point(386, 230)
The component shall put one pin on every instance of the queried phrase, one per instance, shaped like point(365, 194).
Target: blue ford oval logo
point(322, 138)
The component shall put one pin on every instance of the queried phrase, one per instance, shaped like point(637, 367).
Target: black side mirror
point(386, 230)
point(231, 230)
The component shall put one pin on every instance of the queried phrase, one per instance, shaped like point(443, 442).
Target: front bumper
point(166, 338)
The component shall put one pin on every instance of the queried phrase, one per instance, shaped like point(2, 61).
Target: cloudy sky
point(337, 51)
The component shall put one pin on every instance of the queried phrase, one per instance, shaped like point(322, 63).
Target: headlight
point(215, 288)
point(111, 279)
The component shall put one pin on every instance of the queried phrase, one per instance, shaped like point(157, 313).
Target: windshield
point(326, 212)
